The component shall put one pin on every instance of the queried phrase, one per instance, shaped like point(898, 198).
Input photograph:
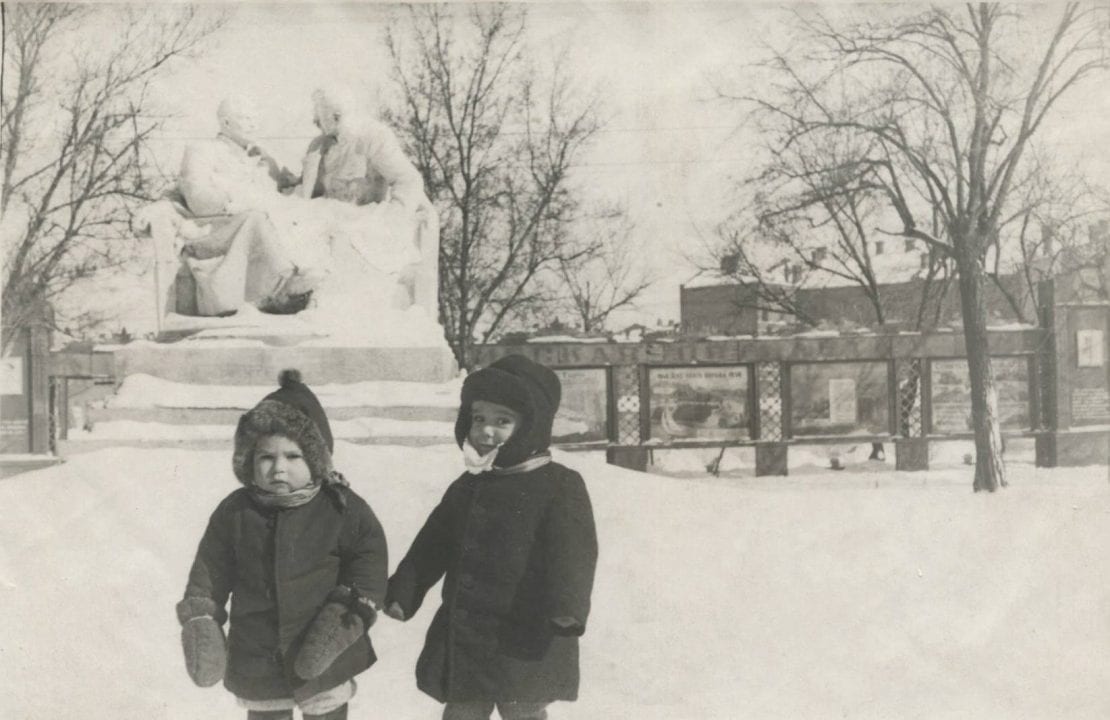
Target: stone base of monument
point(150, 412)
point(251, 348)
point(259, 363)
point(390, 378)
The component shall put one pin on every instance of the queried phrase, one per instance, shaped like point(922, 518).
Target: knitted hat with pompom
point(294, 412)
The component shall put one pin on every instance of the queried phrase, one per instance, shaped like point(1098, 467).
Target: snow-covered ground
point(140, 390)
point(813, 596)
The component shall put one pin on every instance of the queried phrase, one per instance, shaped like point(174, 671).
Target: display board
point(584, 409)
point(841, 398)
point(951, 394)
point(700, 403)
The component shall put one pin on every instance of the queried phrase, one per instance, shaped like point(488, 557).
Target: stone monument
point(333, 270)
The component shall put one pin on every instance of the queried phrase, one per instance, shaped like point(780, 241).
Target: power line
point(600, 131)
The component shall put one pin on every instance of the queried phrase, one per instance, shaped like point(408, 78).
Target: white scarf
point(476, 463)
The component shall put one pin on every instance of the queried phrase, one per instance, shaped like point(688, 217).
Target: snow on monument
point(342, 255)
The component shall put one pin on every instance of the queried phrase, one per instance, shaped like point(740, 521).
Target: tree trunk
point(989, 470)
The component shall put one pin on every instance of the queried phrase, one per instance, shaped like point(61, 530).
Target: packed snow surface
point(363, 427)
point(834, 595)
point(140, 390)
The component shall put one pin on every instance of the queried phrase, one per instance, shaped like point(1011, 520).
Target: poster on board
point(11, 376)
point(583, 410)
point(699, 403)
point(838, 398)
point(843, 407)
point(1089, 348)
point(951, 394)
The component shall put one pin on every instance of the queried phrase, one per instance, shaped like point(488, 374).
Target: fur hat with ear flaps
point(523, 385)
point(293, 411)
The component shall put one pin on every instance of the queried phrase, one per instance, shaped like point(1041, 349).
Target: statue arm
point(281, 175)
point(406, 185)
point(199, 183)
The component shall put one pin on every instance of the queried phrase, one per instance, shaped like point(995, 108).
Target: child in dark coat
point(303, 559)
point(515, 537)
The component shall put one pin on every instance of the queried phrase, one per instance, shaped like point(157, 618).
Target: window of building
point(878, 247)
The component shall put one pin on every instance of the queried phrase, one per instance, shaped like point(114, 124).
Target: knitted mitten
point(202, 639)
point(345, 617)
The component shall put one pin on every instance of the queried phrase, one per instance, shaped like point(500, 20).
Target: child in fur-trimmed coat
point(303, 559)
point(515, 538)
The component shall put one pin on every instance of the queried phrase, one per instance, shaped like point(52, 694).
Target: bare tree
point(77, 119)
point(809, 224)
point(947, 103)
point(762, 265)
point(595, 285)
point(1046, 235)
point(496, 147)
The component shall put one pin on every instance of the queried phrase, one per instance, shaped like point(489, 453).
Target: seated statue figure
point(358, 160)
point(234, 254)
point(354, 234)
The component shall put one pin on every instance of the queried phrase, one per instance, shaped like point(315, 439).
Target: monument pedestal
point(254, 362)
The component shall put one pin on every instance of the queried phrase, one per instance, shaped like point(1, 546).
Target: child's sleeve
point(570, 541)
point(365, 561)
point(425, 563)
point(213, 569)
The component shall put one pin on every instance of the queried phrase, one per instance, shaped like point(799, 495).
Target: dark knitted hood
point(293, 411)
point(523, 385)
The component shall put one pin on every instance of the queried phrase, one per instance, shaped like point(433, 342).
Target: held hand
point(566, 625)
point(394, 611)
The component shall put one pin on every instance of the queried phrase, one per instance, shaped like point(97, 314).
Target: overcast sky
point(669, 150)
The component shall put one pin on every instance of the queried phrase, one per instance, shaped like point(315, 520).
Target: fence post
point(628, 385)
point(772, 386)
point(911, 447)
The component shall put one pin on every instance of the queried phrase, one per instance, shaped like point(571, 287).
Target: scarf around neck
point(297, 497)
point(525, 466)
point(477, 464)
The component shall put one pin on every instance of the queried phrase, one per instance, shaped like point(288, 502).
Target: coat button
point(466, 580)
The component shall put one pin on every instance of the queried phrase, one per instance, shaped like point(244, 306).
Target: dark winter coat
point(518, 550)
point(278, 566)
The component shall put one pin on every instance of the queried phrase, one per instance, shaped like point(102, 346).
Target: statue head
point(238, 118)
point(331, 106)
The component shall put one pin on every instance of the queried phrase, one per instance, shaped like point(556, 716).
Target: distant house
point(632, 333)
point(724, 303)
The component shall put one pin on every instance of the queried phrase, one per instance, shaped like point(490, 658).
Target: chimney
point(730, 263)
point(1048, 238)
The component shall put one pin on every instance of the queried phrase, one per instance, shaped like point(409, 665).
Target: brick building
point(717, 304)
